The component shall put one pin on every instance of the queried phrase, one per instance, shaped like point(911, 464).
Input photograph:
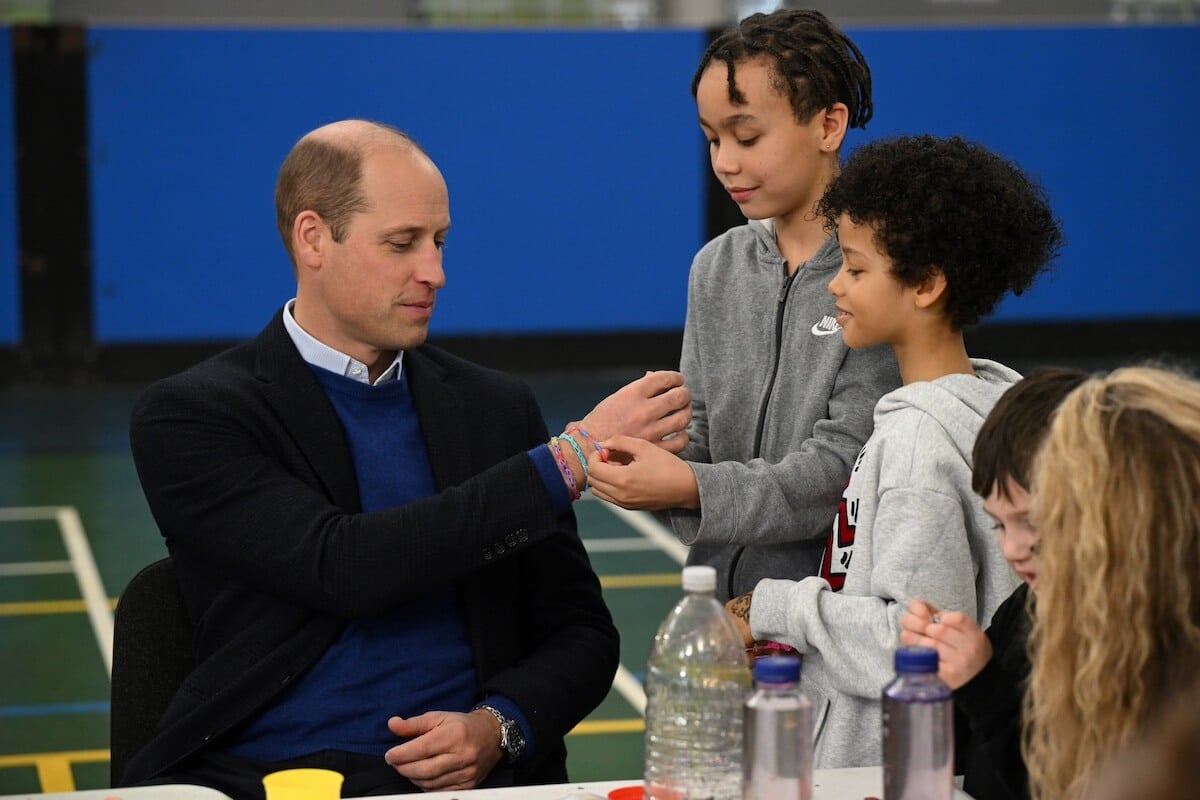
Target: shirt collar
point(322, 355)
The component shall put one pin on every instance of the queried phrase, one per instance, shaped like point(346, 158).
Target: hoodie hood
point(828, 257)
point(958, 403)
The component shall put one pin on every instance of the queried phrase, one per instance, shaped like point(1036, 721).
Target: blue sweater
point(406, 663)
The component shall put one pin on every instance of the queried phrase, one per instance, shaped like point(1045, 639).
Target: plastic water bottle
point(696, 682)
point(918, 730)
point(778, 760)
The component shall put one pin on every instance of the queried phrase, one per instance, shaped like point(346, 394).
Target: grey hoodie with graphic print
point(909, 526)
point(780, 408)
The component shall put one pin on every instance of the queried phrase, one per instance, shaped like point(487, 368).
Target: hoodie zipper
point(780, 307)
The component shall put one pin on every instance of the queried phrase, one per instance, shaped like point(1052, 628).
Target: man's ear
point(310, 237)
point(932, 290)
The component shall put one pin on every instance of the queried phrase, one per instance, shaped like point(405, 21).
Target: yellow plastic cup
point(303, 784)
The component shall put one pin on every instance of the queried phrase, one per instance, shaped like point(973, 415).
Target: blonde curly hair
point(1117, 631)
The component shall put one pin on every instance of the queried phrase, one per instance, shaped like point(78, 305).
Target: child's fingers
point(910, 638)
point(956, 620)
point(914, 622)
point(922, 609)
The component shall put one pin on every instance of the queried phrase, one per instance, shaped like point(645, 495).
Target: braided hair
point(815, 63)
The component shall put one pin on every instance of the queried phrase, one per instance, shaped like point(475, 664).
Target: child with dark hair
point(933, 233)
point(780, 406)
point(988, 671)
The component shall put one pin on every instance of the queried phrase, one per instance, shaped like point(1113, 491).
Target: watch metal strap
point(506, 725)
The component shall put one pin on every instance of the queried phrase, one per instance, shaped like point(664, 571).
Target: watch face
point(511, 741)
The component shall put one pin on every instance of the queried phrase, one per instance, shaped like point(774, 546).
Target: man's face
point(375, 290)
point(1014, 529)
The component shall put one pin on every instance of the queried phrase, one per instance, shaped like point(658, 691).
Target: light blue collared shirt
point(322, 355)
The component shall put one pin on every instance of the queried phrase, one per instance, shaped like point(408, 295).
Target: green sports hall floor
point(74, 528)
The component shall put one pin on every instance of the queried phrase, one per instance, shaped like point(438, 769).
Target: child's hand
point(919, 615)
point(963, 648)
point(739, 612)
point(637, 474)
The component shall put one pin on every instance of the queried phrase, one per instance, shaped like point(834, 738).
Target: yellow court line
point(36, 607)
point(33, 607)
point(609, 726)
point(54, 775)
point(54, 769)
point(47, 607)
point(639, 581)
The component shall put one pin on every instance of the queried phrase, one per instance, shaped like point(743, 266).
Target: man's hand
point(446, 750)
point(641, 475)
point(963, 648)
point(652, 407)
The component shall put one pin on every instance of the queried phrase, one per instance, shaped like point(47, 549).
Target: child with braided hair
point(780, 405)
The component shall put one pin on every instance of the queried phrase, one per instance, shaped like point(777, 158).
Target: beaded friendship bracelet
point(765, 648)
point(566, 437)
point(588, 438)
point(564, 468)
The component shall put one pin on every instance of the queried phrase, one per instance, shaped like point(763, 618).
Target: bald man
point(374, 537)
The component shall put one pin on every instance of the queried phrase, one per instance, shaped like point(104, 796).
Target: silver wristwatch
point(512, 742)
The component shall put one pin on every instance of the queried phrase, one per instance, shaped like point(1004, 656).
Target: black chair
point(152, 654)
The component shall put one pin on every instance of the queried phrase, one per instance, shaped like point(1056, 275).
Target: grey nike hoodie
point(780, 408)
point(909, 526)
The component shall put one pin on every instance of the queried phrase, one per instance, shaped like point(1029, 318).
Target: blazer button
point(487, 554)
point(522, 535)
point(511, 541)
point(499, 548)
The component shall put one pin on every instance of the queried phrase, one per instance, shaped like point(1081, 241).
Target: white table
point(167, 792)
point(828, 784)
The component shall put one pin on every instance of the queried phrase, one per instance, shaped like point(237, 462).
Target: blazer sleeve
point(234, 486)
point(568, 646)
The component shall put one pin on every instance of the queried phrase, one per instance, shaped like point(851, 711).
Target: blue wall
point(571, 159)
point(10, 323)
point(576, 167)
point(1108, 118)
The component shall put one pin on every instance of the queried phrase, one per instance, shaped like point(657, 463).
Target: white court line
point(644, 523)
point(27, 512)
point(88, 577)
point(91, 588)
point(630, 688)
point(13, 570)
point(618, 545)
point(661, 538)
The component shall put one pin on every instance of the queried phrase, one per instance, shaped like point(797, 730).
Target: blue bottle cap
point(777, 669)
point(916, 659)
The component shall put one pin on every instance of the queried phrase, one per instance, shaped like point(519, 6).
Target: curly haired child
point(933, 233)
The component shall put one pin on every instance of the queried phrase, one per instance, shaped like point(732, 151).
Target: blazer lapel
point(440, 409)
point(290, 388)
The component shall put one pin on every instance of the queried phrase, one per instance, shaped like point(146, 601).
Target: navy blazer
point(247, 471)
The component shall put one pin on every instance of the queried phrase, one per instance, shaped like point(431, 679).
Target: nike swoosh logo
point(826, 326)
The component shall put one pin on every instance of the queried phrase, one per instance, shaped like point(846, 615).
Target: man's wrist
point(512, 741)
